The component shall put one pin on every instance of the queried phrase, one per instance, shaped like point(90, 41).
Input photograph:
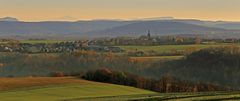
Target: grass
point(156, 58)
point(213, 98)
point(14, 83)
point(202, 96)
point(167, 48)
point(59, 89)
point(74, 89)
point(40, 41)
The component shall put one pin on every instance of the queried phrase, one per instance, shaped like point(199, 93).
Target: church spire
point(149, 35)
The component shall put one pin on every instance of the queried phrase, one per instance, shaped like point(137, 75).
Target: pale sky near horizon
point(42, 10)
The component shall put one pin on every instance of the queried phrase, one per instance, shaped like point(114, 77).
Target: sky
point(71, 10)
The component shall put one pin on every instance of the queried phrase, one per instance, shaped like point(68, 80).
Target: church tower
point(149, 35)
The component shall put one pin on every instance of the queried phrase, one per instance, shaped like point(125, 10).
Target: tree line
point(165, 84)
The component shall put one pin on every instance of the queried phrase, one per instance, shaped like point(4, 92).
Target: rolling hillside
point(72, 89)
point(58, 89)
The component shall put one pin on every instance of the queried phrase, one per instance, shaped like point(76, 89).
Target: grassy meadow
point(60, 89)
point(172, 52)
point(40, 41)
point(156, 58)
point(168, 48)
point(74, 89)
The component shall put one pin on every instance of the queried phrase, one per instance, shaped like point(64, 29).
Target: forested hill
point(216, 65)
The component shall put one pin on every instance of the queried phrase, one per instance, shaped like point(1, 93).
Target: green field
point(61, 89)
point(202, 96)
point(157, 58)
point(74, 89)
point(40, 41)
point(167, 48)
point(69, 92)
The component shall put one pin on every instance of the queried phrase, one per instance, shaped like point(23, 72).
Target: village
point(61, 47)
point(104, 44)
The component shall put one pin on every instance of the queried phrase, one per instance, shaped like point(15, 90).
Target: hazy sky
point(38, 10)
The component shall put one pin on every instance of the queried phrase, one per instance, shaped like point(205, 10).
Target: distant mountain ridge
point(8, 19)
point(162, 28)
point(112, 28)
point(55, 27)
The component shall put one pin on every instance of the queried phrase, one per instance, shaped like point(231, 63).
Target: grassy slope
point(201, 96)
point(157, 58)
point(72, 89)
point(54, 89)
point(166, 48)
point(233, 97)
point(40, 41)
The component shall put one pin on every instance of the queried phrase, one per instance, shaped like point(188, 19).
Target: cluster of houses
point(148, 39)
point(69, 46)
point(103, 44)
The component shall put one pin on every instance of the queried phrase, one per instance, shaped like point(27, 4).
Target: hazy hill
point(216, 24)
point(8, 19)
point(161, 28)
point(55, 27)
point(111, 28)
point(229, 25)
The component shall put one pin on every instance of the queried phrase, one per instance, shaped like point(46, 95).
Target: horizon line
point(121, 19)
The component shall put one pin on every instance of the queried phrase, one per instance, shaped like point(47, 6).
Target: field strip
point(118, 98)
point(203, 96)
point(161, 97)
point(210, 98)
point(223, 99)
